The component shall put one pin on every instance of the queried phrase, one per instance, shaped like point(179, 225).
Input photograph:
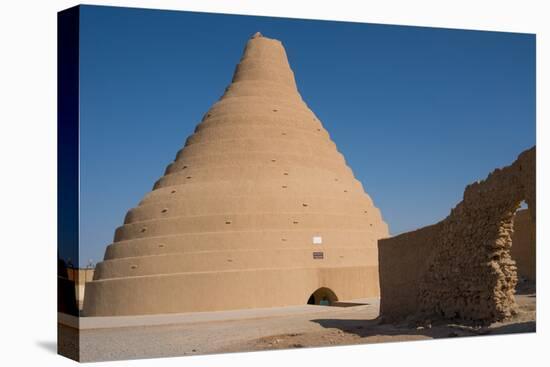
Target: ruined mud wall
point(524, 245)
point(464, 270)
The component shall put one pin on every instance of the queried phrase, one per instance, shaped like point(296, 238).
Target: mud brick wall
point(524, 245)
point(461, 268)
point(403, 261)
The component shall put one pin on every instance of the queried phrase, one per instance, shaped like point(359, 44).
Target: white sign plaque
point(317, 240)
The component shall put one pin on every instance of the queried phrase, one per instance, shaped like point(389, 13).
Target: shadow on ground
point(374, 328)
point(349, 304)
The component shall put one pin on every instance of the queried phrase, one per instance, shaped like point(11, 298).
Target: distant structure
point(463, 268)
point(259, 209)
point(71, 286)
point(80, 276)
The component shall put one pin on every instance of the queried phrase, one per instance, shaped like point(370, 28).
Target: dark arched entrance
point(322, 296)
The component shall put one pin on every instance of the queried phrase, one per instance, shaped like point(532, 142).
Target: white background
point(28, 181)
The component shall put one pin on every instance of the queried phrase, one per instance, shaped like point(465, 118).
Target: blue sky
point(418, 112)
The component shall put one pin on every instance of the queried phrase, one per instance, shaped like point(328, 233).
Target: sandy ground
point(309, 326)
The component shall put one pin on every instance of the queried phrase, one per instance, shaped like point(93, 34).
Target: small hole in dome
point(295, 222)
point(144, 229)
point(335, 179)
point(184, 167)
point(284, 186)
point(345, 190)
point(304, 204)
point(188, 177)
point(227, 222)
point(229, 260)
point(173, 192)
point(164, 210)
point(283, 239)
point(371, 224)
point(133, 266)
point(286, 173)
point(318, 129)
point(161, 244)
point(283, 133)
point(275, 110)
point(273, 160)
point(365, 211)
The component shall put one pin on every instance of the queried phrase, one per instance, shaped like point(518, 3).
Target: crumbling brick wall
point(466, 272)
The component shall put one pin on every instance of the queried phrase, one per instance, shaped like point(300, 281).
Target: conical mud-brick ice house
point(258, 209)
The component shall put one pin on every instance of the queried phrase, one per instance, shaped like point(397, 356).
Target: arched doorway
point(323, 297)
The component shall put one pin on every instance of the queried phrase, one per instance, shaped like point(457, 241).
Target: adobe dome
point(258, 209)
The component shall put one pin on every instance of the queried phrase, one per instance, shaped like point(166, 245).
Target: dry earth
point(349, 324)
point(348, 329)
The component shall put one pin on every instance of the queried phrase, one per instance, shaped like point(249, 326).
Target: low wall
point(403, 262)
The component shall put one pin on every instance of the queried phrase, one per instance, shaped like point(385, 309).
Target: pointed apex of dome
point(264, 60)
